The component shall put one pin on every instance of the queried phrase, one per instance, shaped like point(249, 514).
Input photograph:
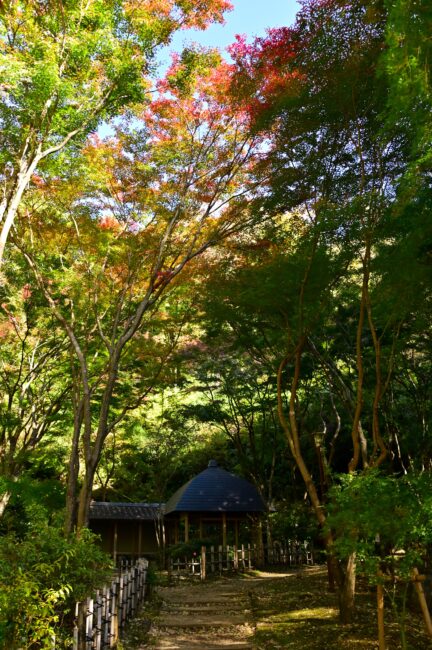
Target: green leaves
point(386, 520)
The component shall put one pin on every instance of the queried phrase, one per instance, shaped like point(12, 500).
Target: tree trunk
point(72, 479)
point(347, 591)
point(10, 207)
point(85, 496)
point(4, 500)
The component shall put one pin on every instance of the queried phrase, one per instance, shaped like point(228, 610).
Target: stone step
point(207, 607)
point(204, 599)
point(201, 644)
point(212, 620)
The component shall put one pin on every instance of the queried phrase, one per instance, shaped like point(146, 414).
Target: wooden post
point(115, 543)
point(203, 562)
point(212, 559)
point(139, 538)
point(224, 529)
point(186, 527)
point(106, 615)
point(380, 617)
point(77, 627)
point(98, 631)
point(114, 613)
point(422, 600)
point(236, 563)
point(220, 559)
point(89, 624)
point(120, 603)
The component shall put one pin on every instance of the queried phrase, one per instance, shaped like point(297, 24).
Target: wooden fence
point(232, 558)
point(99, 620)
point(291, 553)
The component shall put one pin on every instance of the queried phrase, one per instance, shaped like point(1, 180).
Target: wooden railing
point(214, 560)
point(218, 559)
point(99, 620)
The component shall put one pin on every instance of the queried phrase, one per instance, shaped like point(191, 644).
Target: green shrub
point(188, 549)
point(41, 576)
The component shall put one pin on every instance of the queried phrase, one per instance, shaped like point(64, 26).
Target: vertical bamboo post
point(120, 603)
point(203, 562)
point(106, 615)
point(76, 628)
point(236, 562)
point(89, 624)
point(114, 613)
point(98, 631)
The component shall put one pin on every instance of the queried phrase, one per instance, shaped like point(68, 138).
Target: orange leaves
point(163, 17)
point(266, 70)
point(109, 222)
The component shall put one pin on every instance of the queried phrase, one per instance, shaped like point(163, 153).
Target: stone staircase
point(207, 616)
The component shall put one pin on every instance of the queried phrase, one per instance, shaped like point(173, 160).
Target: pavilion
point(213, 505)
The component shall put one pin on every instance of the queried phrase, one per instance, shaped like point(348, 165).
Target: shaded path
point(207, 616)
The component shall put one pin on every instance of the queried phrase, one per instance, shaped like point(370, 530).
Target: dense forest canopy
point(242, 270)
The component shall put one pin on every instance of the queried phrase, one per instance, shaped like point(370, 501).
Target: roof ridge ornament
point(213, 463)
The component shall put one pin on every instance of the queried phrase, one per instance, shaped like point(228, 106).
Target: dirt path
point(207, 616)
point(265, 611)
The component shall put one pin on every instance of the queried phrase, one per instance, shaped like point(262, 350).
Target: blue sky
point(250, 17)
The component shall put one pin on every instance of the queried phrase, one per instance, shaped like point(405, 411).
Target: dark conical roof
point(216, 490)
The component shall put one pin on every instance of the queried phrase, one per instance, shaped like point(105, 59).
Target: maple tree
point(66, 67)
point(151, 201)
point(321, 105)
point(32, 384)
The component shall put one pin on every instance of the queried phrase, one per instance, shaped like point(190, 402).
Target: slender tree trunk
point(72, 480)
point(10, 207)
point(4, 500)
point(85, 495)
point(347, 591)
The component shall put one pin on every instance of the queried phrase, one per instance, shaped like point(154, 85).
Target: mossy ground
point(299, 612)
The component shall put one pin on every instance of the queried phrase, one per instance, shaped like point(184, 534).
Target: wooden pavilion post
point(224, 529)
point(139, 538)
point(115, 543)
point(186, 527)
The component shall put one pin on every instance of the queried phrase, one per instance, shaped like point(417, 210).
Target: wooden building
point(215, 505)
point(127, 529)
